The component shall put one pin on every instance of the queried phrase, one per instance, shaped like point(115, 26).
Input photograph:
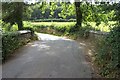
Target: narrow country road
point(50, 57)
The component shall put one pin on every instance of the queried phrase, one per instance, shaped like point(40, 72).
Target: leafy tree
point(67, 10)
point(13, 13)
point(78, 13)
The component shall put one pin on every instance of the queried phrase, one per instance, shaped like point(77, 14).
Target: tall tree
point(19, 14)
point(13, 13)
point(78, 13)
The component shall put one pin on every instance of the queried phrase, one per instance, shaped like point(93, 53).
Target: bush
point(62, 29)
point(108, 54)
point(4, 26)
point(11, 41)
point(53, 28)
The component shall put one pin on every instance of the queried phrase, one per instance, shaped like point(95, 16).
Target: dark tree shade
point(14, 13)
point(19, 14)
point(78, 13)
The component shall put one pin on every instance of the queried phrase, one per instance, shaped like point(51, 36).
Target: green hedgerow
point(109, 53)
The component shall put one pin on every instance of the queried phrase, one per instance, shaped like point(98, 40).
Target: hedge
point(108, 53)
point(53, 29)
point(61, 29)
point(13, 40)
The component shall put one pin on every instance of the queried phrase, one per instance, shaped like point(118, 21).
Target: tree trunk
point(19, 14)
point(78, 13)
point(20, 25)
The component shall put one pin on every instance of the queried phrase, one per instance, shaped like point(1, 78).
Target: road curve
point(50, 57)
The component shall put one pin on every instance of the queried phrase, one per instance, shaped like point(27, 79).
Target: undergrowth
point(108, 54)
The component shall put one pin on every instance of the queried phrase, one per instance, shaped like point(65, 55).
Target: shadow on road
point(50, 57)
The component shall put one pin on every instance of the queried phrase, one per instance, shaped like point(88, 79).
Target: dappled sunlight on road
point(42, 46)
point(83, 44)
point(50, 53)
point(49, 57)
point(50, 37)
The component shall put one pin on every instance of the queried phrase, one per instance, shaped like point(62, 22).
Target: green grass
point(54, 23)
point(102, 27)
